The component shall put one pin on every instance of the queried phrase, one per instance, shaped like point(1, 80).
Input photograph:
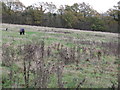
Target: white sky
point(99, 5)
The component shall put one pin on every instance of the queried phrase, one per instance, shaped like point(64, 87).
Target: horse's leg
point(23, 32)
point(20, 33)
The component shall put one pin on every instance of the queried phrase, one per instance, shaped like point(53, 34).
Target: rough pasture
point(56, 57)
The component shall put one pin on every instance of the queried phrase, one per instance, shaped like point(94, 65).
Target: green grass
point(53, 81)
point(71, 76)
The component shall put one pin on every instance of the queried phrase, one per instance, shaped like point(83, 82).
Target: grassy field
point(58, 58)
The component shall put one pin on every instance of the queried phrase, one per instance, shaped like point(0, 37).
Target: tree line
point(78, 16)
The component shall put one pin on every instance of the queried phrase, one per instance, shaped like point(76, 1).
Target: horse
point(22, 31)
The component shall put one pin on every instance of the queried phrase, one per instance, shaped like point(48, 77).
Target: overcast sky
point(99, 5)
